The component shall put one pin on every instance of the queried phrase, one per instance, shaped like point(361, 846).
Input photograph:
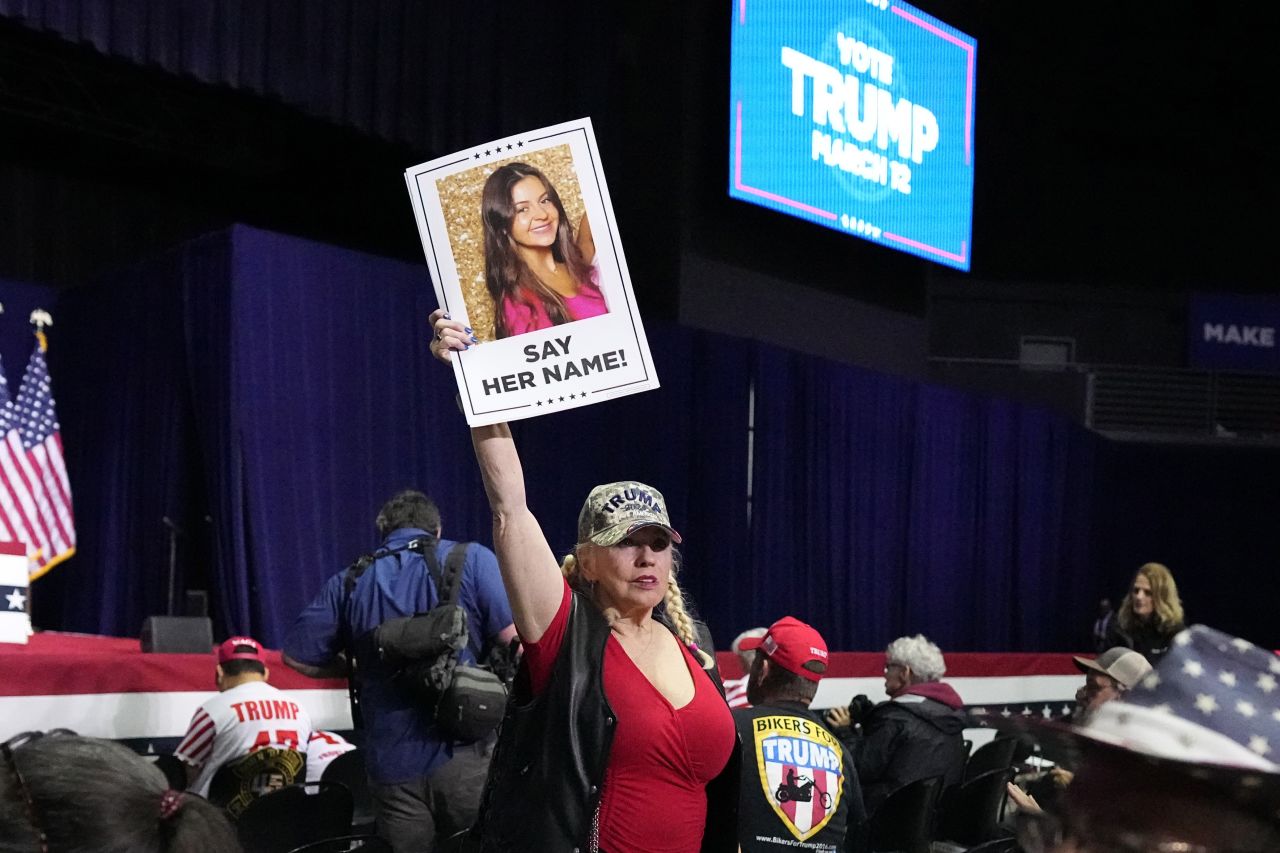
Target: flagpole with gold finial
point(41, 318)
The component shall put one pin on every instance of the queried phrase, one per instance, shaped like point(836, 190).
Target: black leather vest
point(544, 781)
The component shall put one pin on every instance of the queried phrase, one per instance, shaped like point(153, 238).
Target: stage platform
point(106, 687)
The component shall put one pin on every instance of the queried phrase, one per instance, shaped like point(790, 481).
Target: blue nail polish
point(474, 339)
point(467, 330)
point(447, 317)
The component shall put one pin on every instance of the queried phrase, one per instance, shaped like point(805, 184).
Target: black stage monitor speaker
point(178, 635)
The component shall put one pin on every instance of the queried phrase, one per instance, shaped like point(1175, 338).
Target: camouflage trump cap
point(614, 511)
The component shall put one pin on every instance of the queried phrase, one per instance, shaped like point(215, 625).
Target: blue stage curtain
point(1210, 514)
point(314, 402)
point(203, 384)
point(284, 389)
point(883, 507)
point(17, 300)
point(119, 367)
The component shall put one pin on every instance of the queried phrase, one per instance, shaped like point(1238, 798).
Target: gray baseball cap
point(614, 511)
point(1124, 665)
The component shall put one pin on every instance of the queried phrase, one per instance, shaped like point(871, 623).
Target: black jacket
point(763, 824)
point(1144, 637)
point(909, 738)
point(544, 781)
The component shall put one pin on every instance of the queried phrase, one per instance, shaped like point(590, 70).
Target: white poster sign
point(522, 246)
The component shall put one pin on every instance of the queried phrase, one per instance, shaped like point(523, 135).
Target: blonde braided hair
point(569, 568)
point(673, 599)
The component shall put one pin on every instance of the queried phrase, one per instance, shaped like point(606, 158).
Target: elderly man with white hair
point(918, 733)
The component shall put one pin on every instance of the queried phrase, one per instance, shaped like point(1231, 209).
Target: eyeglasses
point(890, 666)
point(8, 748)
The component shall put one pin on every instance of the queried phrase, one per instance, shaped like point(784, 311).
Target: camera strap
point(449, 580)
point(349, 578)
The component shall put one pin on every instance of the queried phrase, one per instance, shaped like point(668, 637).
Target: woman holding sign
point(539, 274)
point(616, 737)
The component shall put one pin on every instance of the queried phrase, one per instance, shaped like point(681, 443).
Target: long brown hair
point(1167, 613)
point(506, 274)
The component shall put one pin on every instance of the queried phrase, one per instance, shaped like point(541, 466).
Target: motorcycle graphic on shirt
point(801, 790)
point(801, 771)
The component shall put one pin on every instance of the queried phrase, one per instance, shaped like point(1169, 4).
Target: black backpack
point(466, 702)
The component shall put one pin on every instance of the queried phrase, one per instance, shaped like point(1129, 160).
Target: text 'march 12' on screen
point(857, 115)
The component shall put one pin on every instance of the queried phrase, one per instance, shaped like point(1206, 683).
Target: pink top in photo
point(521, 318)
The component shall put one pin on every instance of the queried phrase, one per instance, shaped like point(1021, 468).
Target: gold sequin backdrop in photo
point(460, 203)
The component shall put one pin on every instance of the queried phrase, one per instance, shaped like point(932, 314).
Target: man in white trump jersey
point(246, 715)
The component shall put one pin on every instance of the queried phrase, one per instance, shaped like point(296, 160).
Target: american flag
point(35, 496)
point(735, 692)
point(1214, 698)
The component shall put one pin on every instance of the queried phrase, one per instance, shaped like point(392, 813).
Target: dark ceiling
point(1115, 147)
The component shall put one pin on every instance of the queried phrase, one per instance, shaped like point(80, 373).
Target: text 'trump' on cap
point(614, 511)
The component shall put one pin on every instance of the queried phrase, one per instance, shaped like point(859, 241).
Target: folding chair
point(971, 812)
point(349, 769)
point(294, 816)
point(995, 755)
point(906, 819)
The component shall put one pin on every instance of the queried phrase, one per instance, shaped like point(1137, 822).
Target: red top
point(654, 796)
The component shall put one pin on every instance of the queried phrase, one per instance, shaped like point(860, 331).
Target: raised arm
point(530, 571)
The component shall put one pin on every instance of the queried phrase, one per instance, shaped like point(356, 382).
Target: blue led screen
point(857, 115)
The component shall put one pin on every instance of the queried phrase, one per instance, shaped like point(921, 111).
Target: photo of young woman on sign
point(533, 267)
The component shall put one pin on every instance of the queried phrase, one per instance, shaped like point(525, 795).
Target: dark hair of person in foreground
point(72, 794)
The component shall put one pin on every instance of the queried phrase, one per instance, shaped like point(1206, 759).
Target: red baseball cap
point(794, 646)
point(227, 651)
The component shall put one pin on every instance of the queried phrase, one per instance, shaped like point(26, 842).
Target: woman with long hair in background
point(1150, 615)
